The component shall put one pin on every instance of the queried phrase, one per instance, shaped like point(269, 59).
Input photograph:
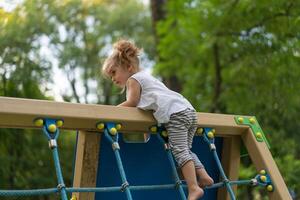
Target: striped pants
point(181, 129)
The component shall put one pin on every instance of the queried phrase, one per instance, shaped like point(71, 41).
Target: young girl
point(169, 108)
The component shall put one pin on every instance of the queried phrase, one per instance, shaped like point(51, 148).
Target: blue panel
point(147, 164)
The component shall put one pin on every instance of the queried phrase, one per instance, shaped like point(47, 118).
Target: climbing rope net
point(51, 127)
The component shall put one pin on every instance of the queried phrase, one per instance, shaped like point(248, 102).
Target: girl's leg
point(178, 141)
point(188, 171)
point(203, 178)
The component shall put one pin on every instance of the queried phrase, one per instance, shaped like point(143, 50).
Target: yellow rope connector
point(252, 120)
point(100, 126)
point(262, 172)
point(153, 129)
point(118, 127)
point(59, 123)
point(263, 178)
point(164, 133)
point(240, 119)
point(210, 134)
point(113, 131)
point(52, 128)
point(73, 198)
point(39, 122)
point(199, 131)
point(270, 188)
point(258, 135)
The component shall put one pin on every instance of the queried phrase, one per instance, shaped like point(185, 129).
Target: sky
point(9, 4)
point(60, 83)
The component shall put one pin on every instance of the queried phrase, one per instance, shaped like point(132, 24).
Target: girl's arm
point(133, 93)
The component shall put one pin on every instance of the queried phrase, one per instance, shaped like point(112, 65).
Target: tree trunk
point(72, 80)
point(12, 163)
point(158, 13)
point(107, 92)
point(4, 83)
point(249, 193)
point(216, 104)
point(173, 83)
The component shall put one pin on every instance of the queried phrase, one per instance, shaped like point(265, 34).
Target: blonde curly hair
point(125, 54)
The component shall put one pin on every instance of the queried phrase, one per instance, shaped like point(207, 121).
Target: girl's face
point(119, 75)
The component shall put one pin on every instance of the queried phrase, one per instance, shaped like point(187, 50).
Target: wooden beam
point(20, 113)
point(230, 163)
point(262, 159)
point(86, 164)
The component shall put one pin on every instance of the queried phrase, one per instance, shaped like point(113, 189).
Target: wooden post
point(230, 163)
point(86, 164)
point(262, 159)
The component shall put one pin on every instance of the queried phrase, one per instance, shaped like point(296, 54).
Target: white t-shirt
point(157, 97)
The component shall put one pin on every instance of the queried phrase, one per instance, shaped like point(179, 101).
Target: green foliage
point(256, 44)
point(77, 36)
point(83, 34)
point(27, 161)
point(19, 57)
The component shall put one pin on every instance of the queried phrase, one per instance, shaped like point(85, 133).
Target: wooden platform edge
point(20, 113)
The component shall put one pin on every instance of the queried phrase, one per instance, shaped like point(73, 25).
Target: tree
point(23, 74)
point(90, 28)
point(78, 35)
point(158, 11)
point(237, 57)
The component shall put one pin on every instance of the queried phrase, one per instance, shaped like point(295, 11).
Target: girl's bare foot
point(203, 178)
point(195, 193)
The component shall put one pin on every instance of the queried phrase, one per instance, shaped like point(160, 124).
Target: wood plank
point(230, 163)
point(262, 159)
point(86, 164)
point(20, 113)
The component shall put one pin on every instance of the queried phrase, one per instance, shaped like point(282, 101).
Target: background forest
point(234, 56)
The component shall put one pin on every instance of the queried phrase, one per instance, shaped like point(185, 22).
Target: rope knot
point(52, 143)
point(254, 182)
point(61, 186)
point(177, 184)
point(124, 186)
point(115, 146)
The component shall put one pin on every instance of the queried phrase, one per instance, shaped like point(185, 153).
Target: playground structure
point(89, 120)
